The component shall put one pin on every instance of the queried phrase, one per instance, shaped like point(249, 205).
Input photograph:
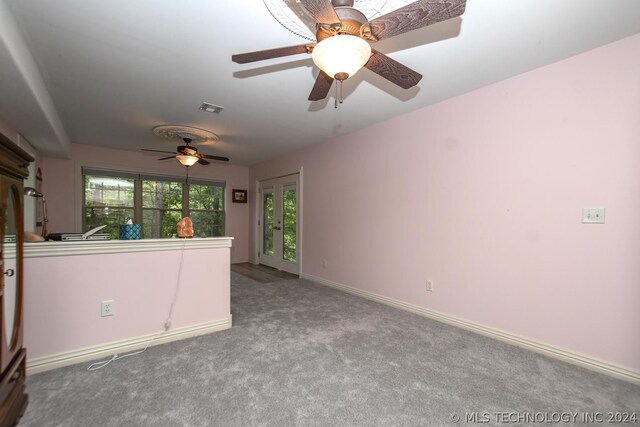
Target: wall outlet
point(324, 263)
point(429, 286)
point(593, 215)
point(107, 308)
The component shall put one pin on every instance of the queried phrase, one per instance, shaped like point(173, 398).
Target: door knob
point(9, 272)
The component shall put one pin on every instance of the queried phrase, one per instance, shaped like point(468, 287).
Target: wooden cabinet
point(13, 169)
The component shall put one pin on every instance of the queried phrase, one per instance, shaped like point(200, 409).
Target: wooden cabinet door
point(11, 271)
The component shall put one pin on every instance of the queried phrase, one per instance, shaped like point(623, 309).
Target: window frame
point(138, 178)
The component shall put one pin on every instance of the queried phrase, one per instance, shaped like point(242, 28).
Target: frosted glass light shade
point(186, 160)
point(341, 54)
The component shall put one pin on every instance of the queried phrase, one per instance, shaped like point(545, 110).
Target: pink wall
point(63, 296)
point(62, 185)
point(483, 194)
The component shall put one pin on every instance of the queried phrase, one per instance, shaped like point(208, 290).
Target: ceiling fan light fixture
point(341, 55)
point(187, 160)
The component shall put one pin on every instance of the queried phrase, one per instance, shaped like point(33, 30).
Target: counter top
point(88, 247)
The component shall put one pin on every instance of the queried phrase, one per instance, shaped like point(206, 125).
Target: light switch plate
point(593, 215)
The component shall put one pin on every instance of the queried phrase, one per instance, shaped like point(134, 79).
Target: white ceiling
point(107, 72)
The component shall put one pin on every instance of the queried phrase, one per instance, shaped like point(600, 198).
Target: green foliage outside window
point(206, 209)
point(161, 208)
point(110, 201)
point(289, 251)
point(267, 241)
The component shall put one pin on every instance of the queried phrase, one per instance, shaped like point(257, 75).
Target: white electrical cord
point(167, 324)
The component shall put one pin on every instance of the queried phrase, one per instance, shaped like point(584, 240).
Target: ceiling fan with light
point(344, 34)
point(188, 155)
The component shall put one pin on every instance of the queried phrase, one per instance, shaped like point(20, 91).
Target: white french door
point(278, 223)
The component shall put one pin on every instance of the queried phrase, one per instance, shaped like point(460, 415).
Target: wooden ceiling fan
point(188, 155)
point(344, 34)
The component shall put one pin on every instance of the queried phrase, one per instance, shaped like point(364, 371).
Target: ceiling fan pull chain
point(338, 94)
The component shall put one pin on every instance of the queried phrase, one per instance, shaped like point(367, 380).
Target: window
point(161, 208)
point(156, 202)
point(107, 201)
point(206, 209)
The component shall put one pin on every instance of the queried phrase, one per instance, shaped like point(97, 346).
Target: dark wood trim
point(239, 196)
point(14, 163)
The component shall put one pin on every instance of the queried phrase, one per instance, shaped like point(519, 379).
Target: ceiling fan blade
point(203, 162)
point(392, 70)
point(159, 151)
point(321, 87)
point(207, 156)
point(322, 11)
point(166, 158)
point(261, 55)
point(416, 15)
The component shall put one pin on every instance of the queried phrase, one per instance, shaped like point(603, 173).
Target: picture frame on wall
point(239, 196)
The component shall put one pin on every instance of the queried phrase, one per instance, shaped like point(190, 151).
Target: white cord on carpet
point(167, 324)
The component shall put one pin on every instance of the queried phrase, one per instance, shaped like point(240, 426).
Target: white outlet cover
point(106, 308)
point(593, 215)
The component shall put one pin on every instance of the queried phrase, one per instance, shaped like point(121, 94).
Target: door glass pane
point(267, 221)
point(289, 215)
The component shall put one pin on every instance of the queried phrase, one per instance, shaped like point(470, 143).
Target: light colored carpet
point(301, 354)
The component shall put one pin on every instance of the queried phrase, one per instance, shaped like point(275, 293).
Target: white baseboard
point(538, 347)
point(46, 363)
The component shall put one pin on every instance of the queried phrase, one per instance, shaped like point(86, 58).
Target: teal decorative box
point(130, 232)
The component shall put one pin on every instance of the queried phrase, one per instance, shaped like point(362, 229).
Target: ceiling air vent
point(210, 108)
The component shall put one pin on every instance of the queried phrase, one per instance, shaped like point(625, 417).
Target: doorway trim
point(255, 259)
